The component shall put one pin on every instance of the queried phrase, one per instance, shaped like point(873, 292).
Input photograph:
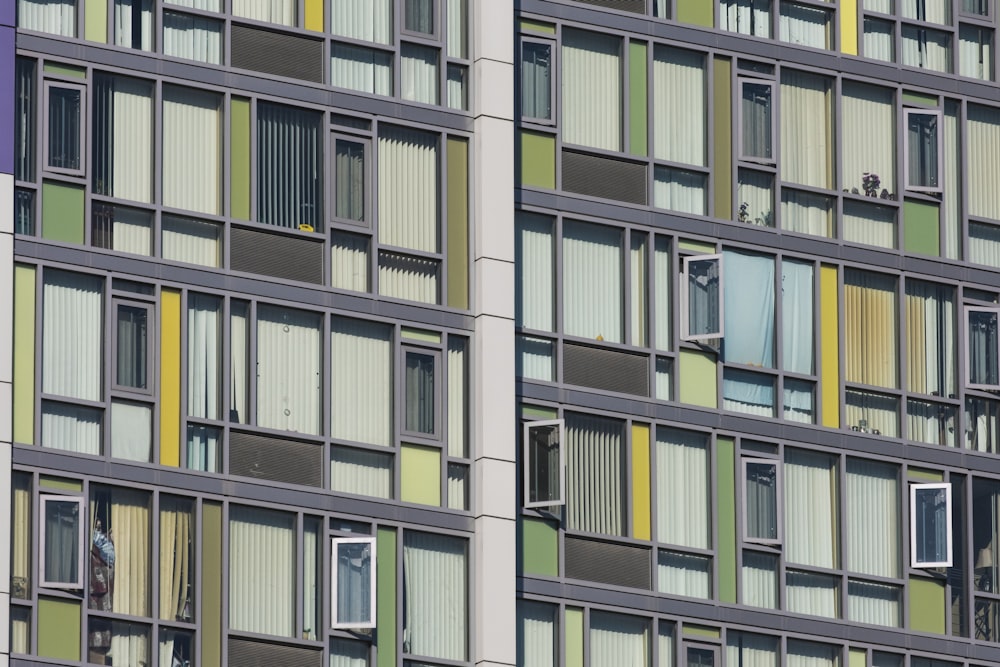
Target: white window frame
point(43, 500)
point(779, 500)
point(47, 85)
point(968, 374)
point(335, 542)
point(528, 426)
point(914, 489)
point(741, 81)
point(939, 167)
point(686, 335)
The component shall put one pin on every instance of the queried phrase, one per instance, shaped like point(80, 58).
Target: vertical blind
point(617, 640)
point(930, 338)
point(361, 362)
point(879, 39)
point(975, 52)
point(361, 472)
point(349, 262)
point(419, 73)
point(192, 149)
point(191, 241)
point(368, 20)
point(683, 498)
point(411, 278)
point(435, 602)
point(358, 68)
point(192, 37)
point(262, 571)
point(870, 328)
point(679, 105)
point(595, 474)
point(873, 518)
point(289, 166)
point(458, 393)
point(808, 26)
point(536, 637)
point(982, 168)
point(928, 49)
point(289, 375)
point(744, 649)
point(810, 508)
point(591, 89)
point(593, 289)
point(870, 129)
point(408, 189)
point(123, 138)
point(53, 16)
point(750, 17)
point(281, 12)
point(806, 129)
point(72, 335)
point(533, 250)
point(71, 428)
point(204, 335)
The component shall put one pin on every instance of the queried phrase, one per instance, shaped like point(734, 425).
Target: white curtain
point(930, 339)
point(358, 68)
point(406, 277)
point(593, 282)
point(53, 16)
point(928, 49)
point(347, 653)
point(665, 657)
point(435, 595)
point(982, 169)
point(870, 225)
point(239, 348)
point(808, 26)
point(203, 447)
point(123, 126)
point(131, 431)
point(361, 405)
point(881, 412)
point(797, 313)
point(261, 571)
point(808, 654)
point(458, 491)
point(683, 498)
point(874, 604)
point(869, 118)
point(368, 20)
point(191, 241)
point(984, 244)
point(281, 12)
point(879, 40)
point(662, 282)
point(204, 335)
point(72, 335)
point(125, 24)
point(679, 190)
point(744, 649)
point(679, 106)
point(873, 518)
point(131, 230)
point(457, 396)
point(360, 472)
point(207, 5)
point(534, 259)
point(419, 73)
point(592, 89)
point(71, 428)
point(349, 260)
point(748, 392)
point(289, 373)
point(408, 189)
point(806, 212)
point(683, 574)
point(750, 17)
point(926, 10)
point(619, 641)
point(536, 646)
point(756, 191)
point(192, 37)
point(813, 594)
point(662, 379)
point(595, 474)
point(192, 149)
point(749, 309)
point(810, 508)
point(760, 580)
point(932, 423)
point(535, 357)
point(806, 129)
point(975, 52)
point(458, 41)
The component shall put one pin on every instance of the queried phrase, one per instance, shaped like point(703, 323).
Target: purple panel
point(6, 97)
point(7, 12)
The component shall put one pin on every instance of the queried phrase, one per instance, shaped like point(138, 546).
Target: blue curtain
point(797, 316)
point(749, 309)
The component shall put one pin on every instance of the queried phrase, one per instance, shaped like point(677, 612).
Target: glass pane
point(930, 521)
point(20, 551)
point(536, 637)
point(435, 576)
point(350, 180)
point(928, 49)
point(535, 358)
point(750, 17)
point(354, 583)
point(64, 128)
point(131, 431)
point(868, 412)
point(982, 421)
point(61, 542)
point(813, 594)
point(358, 68)
point(760, 580)
point(122, 229)
point(543, 464)
point(20, 629)
point(177, 559)
point(191, 241)
point(458, 486)
point(192, 37)
point(419, 75)
point(684, 574)
point(680, 190)
point(24, 119)
point(203, 447)
point(799, 397)
point(983, 346)
point(120, 559)
point(536, 80)
point(419, 400)
point(133, 346)
point(922, 150)
point(176, 648)
point(704, 301)
point(932, 423)
point(347, 653)
point(756, 110)
point(289, 167)
point(762, 500)
point(24, 211)
point(755, 193)
point(700, 657)
point(418, 16)
point(361, 472)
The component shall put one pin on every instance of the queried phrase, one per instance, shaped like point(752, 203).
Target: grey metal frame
point(526, 471)
point(47, 85)
point(939, 170)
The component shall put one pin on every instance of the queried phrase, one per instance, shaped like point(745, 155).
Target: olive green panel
point(538, 160)
point(920, 98)
point(725, 461)
point(857, 658)
point(60, 483)
point(58, 629)
point(95, 15)
point(62, 212)
point(921, 227)
point(697, 246)
point(637, 98)
point(925, 475)
point(722, 127)
point(65, 70)
point(536, 412)
point(458, 223)
point(698, 379)
point(574, 637)
point(927, 605)
point(420, 473)
point(702, 630)
point(211, 589)
point(24, 354)
point(385, 597)
point(537, 26)
point(696, 12)
point(239, 161)
point(421, 335)
point(540, 547)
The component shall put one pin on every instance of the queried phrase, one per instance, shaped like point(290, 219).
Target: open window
point(761, 501)
point(701, 298)
point(61, 541)
point(757, 120)
point(544, 463)
point(352, 594)
point(930, 525)
point(922, 150)
point(982, 367)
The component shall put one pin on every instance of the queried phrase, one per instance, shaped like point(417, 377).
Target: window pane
point(873, 518)
point(204, 356)
point(354, 571)
point(420, 393)
point(123, 229)
point(799, 24)
point(350, 261)
point(262, 581)
point(281, 12)
point(64, 128)
point(108, 641)
point(289, 158)
point(684, 574)
point(347, 653)
point(922, 150)
point(204, 448)
point(749, 311)
point(131, 431)
point(869, 412)
point(704, 297)
point(358, 68)
point(176, 648)
point(869, 155)
point(435, 596)
point(177, 559)
point(536, 80)
point(536, 637)
point(368, 20)
point(928, 49)
point(982, 423)
point(361, 359)
point(744, 648)
point(760, 580)
point(618, 640)
point(975, 52)
point(750, 17)
point(191, 241)
point(591, 89)
point(133, 347)
point(120, 579)
point(361, 472)
point(71, 428)
point(72, 335)
point(680, 106)
point(983, 347)
point(870, 328)
point(879, 41)
point(58, 18)
point(288, 370)
point(683, 500)
point(239, 346)
point(680, 190)
point(418, 16)
point(419, 73)
point(594, 474)
point(192, 37)
point(350, 173)
point(134, 24)
point(592, 279)
point(408, 189)
point(813, 594)
point(192, 150)
point(61, 542)
point(24, 119)
point(930, 521)
point(756, 115)
point(762, 500)
point(806, 129)
point(810, 508)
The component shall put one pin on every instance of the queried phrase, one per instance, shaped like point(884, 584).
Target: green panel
point(539, 547)
point(857, 658)
point(537, 26)
point(535, 412)
point(696, 12)
point(420, 473)
point(421, 335)
point(24, 354)
point(574, 637)
point(697, 246)
point(60, 483)
point(698, 378)
point(239, 164)
point(722, 126)
point(385, 603)
point(637, 98)
point(458, 223)
point(95, 15)
point(927, 605)
point(921, 227)
point(702, 631)
point(62, 212)
point(538, 160)
point(58, 629)
point(211, 589)
point(65, 70)
point(920, 98)
point(725, 460)
point(925, 475)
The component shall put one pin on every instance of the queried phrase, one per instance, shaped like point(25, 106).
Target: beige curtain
point(806, 129)
point(175, 558)
point(20, 563)
point(130, 528)
point(870, 328)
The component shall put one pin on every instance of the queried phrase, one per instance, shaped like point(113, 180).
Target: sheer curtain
point(72, 334)
point(870, 225)
point(679, 106)
point(593, 298)
point(808, 26)
point(435, 599)
point(930, 338)
point(869, 136)
point(192, 37)
point(982, 423)
point(281, 12)
point(617, 640)
point(192, 149)
point(750, 17)
point(873, 518)
point(683, 498)
point(123, 138)
point(368, 20)
point(71, 428)
point(870, 328)
point(806, 129)
point(289, 166)
point(536, 80)
point(536, 646)
point(797, 315)
point(458, 391)
point(744, 649)
point(407, 277)
point(359, 68)
point(361, 408)
point(982, 168)
point(975, 52)
point(684, 574)
point(204, 368)
point(679, 190)
point(760, 580)
point(808, 654)
point(879, 39)
point(662, 282)
point(595, 474)
point(350, 261)
point(749, 309)
point(810, 508)
point(131, 431)
point(134, 24)
point(534, 258)
point(408, 189)
point(53, 16)
point(592, 89)
point(289, 373)
point(261, 571)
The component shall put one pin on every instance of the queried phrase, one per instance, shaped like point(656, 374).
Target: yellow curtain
point(870, 328)
point(175, 558)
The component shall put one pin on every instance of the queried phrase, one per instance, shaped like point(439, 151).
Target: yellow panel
point(211, 589)
point(640, 482)
point(95, 14)
point(170, 378)
point(314, 15)
point(697, 246)
point(849, 26)
point(24, 354)
point(421, 475)
point(830, 346)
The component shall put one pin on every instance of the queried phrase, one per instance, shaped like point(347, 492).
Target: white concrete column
point(6, 394)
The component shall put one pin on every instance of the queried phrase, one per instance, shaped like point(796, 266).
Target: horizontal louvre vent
point(608, 563)
point(276, 255)
point(246, 653)
point(637, 6)
point(275, 459)
point(277, 53)
point(609, 370)
point(606, 177)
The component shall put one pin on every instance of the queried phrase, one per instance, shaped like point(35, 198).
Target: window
point(64, 140)
point(134, 24)
point(57, 18)
point(762, 500)
point(352, 591)
point(351, 180)
point(419, 17)
point(922, 154)
point(592, 89)
point(749, 17)
point(930, 525)
point(289, 167)
point(544, 463)
point(192, 37)
point(537, 83)
point(435, 596)
point(982, 356)
point(288, 369)
point(420, 392)
point(617, 639)
point(280, 12)
point(192, 149)
point(133, 343)
point(61, 542)
point(594, 494)
point(756, 121)
point(804, 24)
point(701, 298)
